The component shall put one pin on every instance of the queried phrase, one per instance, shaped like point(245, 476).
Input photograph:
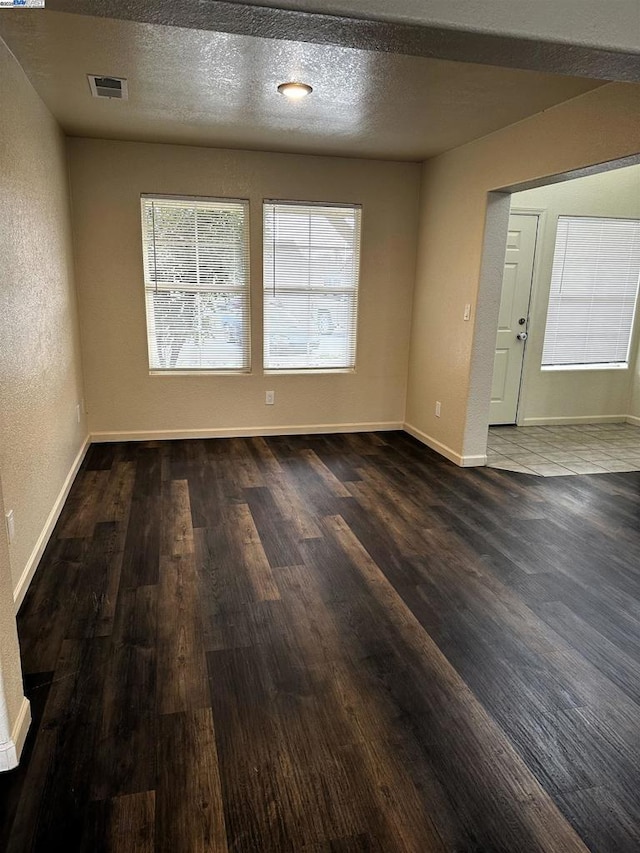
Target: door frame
point(534, 295)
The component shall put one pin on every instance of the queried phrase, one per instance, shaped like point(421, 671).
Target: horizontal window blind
point(311, 272)
point(196, 280)
point(594, 289)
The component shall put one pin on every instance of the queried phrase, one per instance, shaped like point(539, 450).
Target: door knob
point(522, 336)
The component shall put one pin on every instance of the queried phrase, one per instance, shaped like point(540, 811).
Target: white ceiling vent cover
point(108, 87)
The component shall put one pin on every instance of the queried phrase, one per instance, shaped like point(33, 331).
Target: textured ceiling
point(583, 38)
point(611, 25)
point(208, 88)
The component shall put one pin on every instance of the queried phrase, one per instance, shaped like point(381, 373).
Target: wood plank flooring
point(331, 643)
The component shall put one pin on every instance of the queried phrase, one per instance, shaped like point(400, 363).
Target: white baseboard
point(443, 450)
point(32, 563)
point(632, 419)
point(580, 419)
point(11, 750)
point(243, 432)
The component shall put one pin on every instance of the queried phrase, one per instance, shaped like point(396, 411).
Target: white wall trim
point(32, 563)
point(443, 450)
point(11, 750)
point(633, 419)
point(575, 419)
point(306, 429)
point(243, 432)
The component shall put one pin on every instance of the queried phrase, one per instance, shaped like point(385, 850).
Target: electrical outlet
point(270, 398)
point(11, 526)
point(437, 408)
point(467, 312)
point(78, 410)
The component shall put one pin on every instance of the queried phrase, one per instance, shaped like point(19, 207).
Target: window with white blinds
point(196, 281)
point(594, 289)
point(311, 269)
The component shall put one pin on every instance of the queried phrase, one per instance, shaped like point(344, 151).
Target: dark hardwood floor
point(331, 643)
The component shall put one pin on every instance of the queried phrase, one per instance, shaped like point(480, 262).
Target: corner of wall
point(462, 461)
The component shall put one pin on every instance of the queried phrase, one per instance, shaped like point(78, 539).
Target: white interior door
point(514, 315)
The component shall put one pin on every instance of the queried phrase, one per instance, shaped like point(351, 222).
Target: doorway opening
point(524, 387)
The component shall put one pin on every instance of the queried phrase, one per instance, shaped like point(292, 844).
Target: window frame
point(354, 293)
point(151, 286)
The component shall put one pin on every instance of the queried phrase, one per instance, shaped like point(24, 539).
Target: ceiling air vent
point(108, 87)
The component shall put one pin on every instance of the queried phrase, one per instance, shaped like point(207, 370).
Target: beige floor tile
point(550, 469)
point(562, 457)
point(615, 467)
point(495, 460)
point(586, 468)
point(595, 455)
point(567, 449)
point(525, 456)
point(511, 465)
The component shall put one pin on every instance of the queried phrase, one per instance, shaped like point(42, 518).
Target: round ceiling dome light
point(295, 91)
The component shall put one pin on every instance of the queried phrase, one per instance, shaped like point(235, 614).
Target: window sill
point(554, 368)
point(195, 372)
point(300, 371)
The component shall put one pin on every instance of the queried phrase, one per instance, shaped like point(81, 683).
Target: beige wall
point(450, 360)
point(634, 405)
point(634, 397)
point(40, 375)
point(40, 378)
point(549, 395)
point(122, 398)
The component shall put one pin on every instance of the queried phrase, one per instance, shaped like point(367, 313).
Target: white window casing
point(593, 296)
point(311, 276)
point(196, 283)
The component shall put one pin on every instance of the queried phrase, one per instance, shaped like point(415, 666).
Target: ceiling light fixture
point(295, 91)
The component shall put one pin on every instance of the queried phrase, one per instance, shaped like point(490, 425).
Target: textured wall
point(587, 393)
point(40, 378)
point(634, 405)
point(445, 363)
point(107, 179)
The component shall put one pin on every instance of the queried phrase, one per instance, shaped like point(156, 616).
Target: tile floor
point(550, 451)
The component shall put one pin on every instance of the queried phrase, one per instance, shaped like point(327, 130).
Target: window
point(311, 267)
point(196, 282)
point(594, 288)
